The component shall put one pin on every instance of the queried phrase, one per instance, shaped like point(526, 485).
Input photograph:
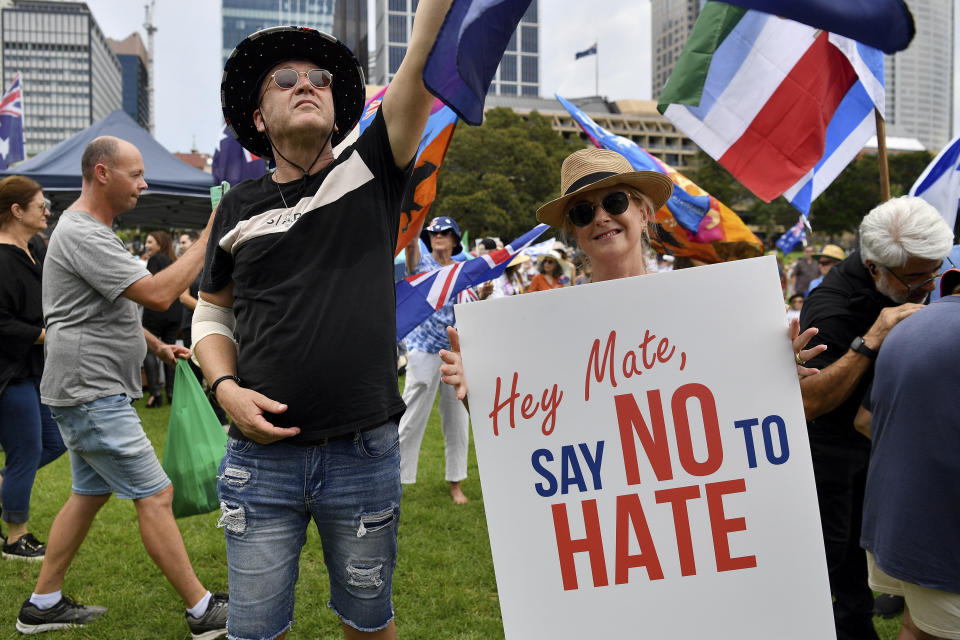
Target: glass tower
point(670, 23)
point(132, 56)
point(240, 18)
point(71, 78)
point(919, 80)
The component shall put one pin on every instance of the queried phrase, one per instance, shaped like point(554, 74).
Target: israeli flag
point(939, 184)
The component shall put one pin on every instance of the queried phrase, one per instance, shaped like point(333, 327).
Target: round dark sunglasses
point(582, 213)
point(288, 78)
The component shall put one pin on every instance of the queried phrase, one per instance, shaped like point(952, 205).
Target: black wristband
point(216, 383)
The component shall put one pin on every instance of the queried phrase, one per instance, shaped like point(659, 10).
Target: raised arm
point(827, 390)
point(406, 104)
point(158, 291)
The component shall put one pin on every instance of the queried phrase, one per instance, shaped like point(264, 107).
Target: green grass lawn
point(444, 586)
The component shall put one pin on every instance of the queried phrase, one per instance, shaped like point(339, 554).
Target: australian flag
point(592, 51)
point(233, 163)
point(797, 234)
point(467, 52)
point(420, 295)
point(11, 125)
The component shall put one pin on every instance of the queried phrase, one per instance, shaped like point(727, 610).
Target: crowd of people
point(298, 266)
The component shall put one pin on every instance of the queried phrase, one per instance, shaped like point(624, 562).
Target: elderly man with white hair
point(902, 244)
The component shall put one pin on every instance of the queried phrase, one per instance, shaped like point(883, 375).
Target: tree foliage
point(856, 190)
point(839, 209)
point(496, 175)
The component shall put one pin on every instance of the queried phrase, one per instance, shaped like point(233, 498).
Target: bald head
point(100, 151)
point(112, 174)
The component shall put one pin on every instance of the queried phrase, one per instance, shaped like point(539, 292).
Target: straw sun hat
point(590, 169)
point(831, 251)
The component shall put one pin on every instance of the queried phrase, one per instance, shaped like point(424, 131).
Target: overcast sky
point(187, 57)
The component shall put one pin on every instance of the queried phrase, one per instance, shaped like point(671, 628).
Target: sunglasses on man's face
point(583, 213)
point(288, 78)
point(445, 232)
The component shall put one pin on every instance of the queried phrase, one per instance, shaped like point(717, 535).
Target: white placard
point(676, 500)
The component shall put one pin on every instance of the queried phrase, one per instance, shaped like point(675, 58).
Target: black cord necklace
point(306, 172)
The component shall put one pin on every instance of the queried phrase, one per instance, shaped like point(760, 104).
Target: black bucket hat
point(259, 52)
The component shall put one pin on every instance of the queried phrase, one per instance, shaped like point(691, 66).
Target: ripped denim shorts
point(350, 487)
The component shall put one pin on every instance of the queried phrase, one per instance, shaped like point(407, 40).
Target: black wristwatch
point(860, 347)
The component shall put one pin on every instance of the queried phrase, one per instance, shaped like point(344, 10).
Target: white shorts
point(934, 611)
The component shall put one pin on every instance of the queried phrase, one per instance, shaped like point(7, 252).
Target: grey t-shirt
point(94, 344)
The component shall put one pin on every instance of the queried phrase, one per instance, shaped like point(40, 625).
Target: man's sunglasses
point(288, 78)
point(583, 213)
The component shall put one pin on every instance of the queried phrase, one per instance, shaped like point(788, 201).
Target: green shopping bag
point(195, 445)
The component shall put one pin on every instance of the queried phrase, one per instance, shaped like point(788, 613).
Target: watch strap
point(860, 347)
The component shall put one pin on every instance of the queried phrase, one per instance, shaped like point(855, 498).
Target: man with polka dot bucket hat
point(295, 325)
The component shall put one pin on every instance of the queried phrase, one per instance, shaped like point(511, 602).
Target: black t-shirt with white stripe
point(313, 289)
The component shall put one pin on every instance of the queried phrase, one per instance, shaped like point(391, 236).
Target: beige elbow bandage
point(209, 319)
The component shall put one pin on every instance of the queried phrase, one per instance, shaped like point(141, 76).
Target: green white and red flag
point(783, 106)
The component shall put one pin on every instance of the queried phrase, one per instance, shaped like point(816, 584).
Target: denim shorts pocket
point(108, 403)
point(236, 445)
point(378, 442)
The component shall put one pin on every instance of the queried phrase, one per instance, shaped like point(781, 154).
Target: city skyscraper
point(132, 56)
point(670, 24)
point(240, 18)
point(519, 70)
point(919, 80)
point(71, 78)
point(350, 27)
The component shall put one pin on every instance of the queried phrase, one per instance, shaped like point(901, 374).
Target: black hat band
point(588, 179)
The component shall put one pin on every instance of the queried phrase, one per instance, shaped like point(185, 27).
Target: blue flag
point(11, 125)
point(422, 294)
point(687, 208)
point(882, 24)
point(939, 184)
point(467, 51)
point(233, 163)
point(592, 51)
point(797, 234)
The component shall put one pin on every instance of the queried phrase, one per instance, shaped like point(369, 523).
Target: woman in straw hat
point(550, 273)
point(607, 208)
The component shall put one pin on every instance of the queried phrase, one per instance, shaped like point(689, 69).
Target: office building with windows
point(133, 59)
point(670, 23)
point(71, 78)
point(240, 18)
point(919, 80)
point(350, 26)
point(519, 70)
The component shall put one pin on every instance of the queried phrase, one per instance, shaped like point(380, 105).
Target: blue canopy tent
point(177, 195)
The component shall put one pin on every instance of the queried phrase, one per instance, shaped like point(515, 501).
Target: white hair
point(902, 228)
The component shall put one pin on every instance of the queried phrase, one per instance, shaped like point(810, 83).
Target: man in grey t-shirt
point(94, 346)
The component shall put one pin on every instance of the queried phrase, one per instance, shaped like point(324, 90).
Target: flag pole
point(596, 68)
point(882, 156)
point(23, 119)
